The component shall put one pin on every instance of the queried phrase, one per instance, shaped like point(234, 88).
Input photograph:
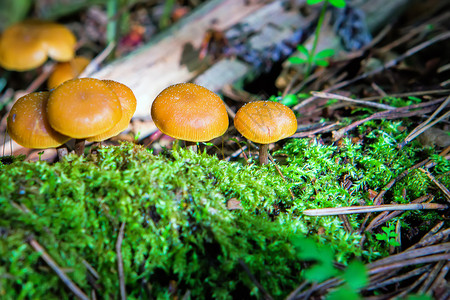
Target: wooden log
point(172, 56)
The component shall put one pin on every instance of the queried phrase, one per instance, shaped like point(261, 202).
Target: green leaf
point(296, 60)
point(321, 62)
point(289, 100)
point(337, 3)
point(324, 53)
point(320, 272)
point(302, 49)
point(356, 275)
point(381, 237)
point(394, 243)
point(343, 293)
point(312, 2)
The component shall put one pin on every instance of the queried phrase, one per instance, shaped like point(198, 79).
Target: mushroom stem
point(191, 145)
point(79, 146)
point(61, 151)
point(263, 154)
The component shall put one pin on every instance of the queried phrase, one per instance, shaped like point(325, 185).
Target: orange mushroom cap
point(265, 122)
point(26, 45)
point(190, 112)
point(28, 124)
point(64, 71)
point(84, 107)
point(128, 104)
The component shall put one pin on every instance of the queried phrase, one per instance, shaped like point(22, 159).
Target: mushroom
point(64, 71)
point(83, 108)
point(265, 122)
point(128, 105)
point(189, 112)
point(26, 45)
point(28, 125)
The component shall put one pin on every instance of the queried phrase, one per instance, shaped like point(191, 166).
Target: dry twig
point(371, 208)
point(123, 292)
point(59, 272)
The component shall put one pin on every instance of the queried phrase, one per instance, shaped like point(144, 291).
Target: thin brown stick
point(314, 132)
point(409, 262)
point(441, 235)
point(410, 254)
point(442, 187)
point(371, 208)
point(384, 217)
point(401, 112)
point(94, 64)
point(397, 279)
point(59, 272)
point(267, 296)
point(123, 292)
point(439, 279)
point(281, 174)
point(411, 287)
point(389, 64)
point(409, 94)
point(430, 233)
point(46, 71)
point(427, 123)
point(378, 199)
point(344, 98)
point(431, 277)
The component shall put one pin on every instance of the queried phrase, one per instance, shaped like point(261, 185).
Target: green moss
point(177, 226)
point(179, 237)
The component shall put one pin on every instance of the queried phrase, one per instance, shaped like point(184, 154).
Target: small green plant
point(310, 57)
point(388, 236)
point(354, 276)
point(40, 154)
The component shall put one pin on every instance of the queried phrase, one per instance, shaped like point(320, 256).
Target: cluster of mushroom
point(192, 113)
point(84, 109)
point(27, 45)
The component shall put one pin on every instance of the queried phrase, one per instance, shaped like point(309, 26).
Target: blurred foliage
point(12, 11)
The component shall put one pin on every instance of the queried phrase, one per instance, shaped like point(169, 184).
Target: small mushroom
point(189, 112)
point(265, 122)
point(83, 108)
point(128, 105)
point(28, 125)
point(26, 45)
point(64, 71)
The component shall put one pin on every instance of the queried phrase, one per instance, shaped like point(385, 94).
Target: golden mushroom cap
point(128, 104)
point(265, 122)
point(190, 112)
point(59, 41)
point(84, 107)
point(28, 124)
point(26, 45)
point(64, 71)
